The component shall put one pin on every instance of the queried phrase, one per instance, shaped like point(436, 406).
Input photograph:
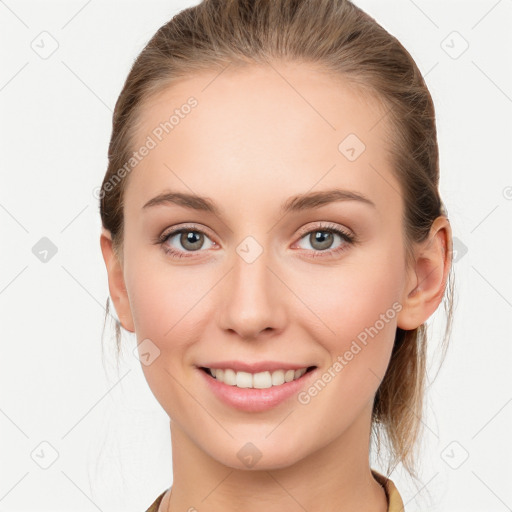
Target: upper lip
point(255, 367)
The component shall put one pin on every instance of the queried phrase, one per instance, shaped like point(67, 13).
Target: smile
point(240, 389)
point(260, 380)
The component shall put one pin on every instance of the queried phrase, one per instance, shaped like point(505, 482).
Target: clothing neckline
point(395, 503)
point(394, 500)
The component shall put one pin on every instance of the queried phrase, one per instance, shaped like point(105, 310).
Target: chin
point(257, 455)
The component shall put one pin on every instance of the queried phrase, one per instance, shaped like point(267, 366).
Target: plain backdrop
point(77, 434)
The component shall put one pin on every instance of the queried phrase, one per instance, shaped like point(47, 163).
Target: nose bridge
point(252, 302)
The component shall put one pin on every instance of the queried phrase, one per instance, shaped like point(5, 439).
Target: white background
point(108, 431)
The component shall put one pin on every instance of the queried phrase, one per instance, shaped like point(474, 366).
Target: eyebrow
point(296, 203)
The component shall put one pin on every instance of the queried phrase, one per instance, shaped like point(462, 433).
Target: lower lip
point(255, 400)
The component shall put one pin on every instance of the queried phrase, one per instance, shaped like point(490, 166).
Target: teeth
point(260, 380)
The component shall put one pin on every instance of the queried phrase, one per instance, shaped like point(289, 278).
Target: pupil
point(323, 239)
point(191, 237)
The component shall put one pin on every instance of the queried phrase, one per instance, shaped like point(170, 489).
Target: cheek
point(165, 304)
point(162, 297)
point(356, 307)
point(352, 296)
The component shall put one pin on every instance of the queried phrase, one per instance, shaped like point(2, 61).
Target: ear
point(116, 283)
point(426, 282)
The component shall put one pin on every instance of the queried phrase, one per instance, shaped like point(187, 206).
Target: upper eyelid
point(305, 230)
point(187, 227)
point(323, 225)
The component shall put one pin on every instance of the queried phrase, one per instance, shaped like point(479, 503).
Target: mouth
point(259, 380)
point(257, 391)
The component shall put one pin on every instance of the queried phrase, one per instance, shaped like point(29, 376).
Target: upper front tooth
point(230, 377)
point(277, 378)
point(300, 373)
point(243, 379)
point(260, 380)
point(289, 375)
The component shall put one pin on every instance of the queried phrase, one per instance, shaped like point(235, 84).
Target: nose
point(253, 303)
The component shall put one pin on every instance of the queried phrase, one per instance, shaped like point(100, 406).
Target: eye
point(179, 242)
point(184, 241)
point(322, 238)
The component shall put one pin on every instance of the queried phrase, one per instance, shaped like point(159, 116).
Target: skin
point(252, 142)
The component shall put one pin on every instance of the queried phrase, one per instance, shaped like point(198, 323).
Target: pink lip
point(255, 400)
point(261, 366)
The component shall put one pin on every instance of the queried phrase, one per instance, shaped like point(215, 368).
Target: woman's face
point(259, 276)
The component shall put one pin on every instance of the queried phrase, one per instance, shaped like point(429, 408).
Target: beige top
point(395, 503)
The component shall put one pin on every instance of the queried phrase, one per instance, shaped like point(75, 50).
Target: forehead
point(262, 129)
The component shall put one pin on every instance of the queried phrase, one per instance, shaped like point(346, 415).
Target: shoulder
point(395, 503)
point(154, 506)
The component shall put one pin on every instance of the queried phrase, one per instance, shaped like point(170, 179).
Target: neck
point(335, 478)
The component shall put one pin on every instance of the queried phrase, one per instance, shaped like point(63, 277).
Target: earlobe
point(116, 282)
point(426, 282)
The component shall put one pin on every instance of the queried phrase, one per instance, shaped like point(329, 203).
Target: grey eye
point(321, 240)
point(192, 240)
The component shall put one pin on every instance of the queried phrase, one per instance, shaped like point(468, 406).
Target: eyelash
point(330, 228)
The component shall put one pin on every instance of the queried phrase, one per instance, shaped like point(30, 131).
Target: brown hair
point(342, 40)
